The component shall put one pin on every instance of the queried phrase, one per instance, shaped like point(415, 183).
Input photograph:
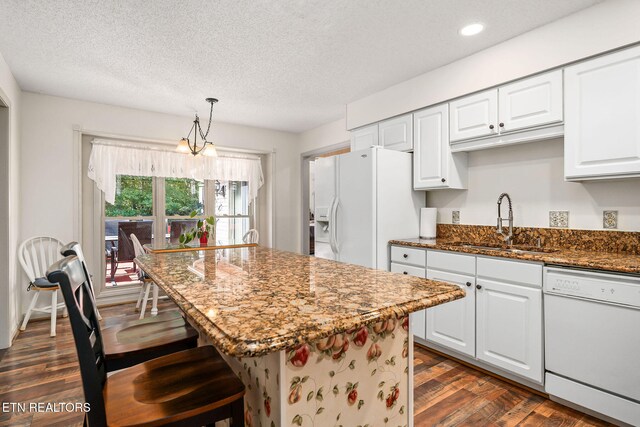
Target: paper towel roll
point(428, 223)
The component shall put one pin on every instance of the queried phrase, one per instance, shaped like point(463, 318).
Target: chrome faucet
point(508, 238)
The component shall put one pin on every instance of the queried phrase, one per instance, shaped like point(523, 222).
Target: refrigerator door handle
point(332, 225)
point(334, 220)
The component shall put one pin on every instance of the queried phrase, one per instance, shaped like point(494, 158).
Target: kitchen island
point(316, 342)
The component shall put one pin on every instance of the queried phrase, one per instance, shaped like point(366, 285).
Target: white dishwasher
point(592, 340)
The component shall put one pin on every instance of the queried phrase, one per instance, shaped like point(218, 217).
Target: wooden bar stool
point(191, 387)
point(127, 343)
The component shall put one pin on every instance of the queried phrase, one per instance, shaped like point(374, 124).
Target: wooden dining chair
point(129, 342)
point(74, 248)
point(191, 387)
point(35, 255)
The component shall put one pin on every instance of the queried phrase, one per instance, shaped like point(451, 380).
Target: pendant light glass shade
point(183, 146)
point(210, 151)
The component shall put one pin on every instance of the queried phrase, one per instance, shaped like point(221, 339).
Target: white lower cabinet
point(499, 321)
point(416, 318)
point(453, 325)
point(509, 317)
point(418, 323)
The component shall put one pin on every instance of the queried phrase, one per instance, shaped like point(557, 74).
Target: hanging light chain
point(204, 137)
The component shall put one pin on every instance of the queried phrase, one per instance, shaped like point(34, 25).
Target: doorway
point(7, 309)
point(308, 183)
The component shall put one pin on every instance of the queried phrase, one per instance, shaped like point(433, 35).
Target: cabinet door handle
point(491, 127)
point(501, 125)
point(405, 256)
point(443, 180)
point(404, 272)
point(468, 284)
point(478, 287)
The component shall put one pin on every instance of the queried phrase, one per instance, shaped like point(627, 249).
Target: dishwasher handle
point(592, 300)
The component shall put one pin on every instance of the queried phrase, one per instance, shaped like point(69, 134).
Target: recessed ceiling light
point(472, 29)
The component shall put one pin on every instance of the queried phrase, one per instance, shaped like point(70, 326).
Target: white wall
point(533, 175)
point(9, 208)
point(47, 166)
point(327, 135)
point(599, 28)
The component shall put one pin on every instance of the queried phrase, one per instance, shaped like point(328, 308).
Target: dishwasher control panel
point(593, 285)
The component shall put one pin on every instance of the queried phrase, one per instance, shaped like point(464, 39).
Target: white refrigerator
point(363, 199)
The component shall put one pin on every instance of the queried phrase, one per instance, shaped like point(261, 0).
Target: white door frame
point(305, 158)
point(7, 307)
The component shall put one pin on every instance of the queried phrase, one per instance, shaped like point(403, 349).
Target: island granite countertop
point(618, 262)
point(253, 301)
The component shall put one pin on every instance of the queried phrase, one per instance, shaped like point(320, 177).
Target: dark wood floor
point(447, 393)
point(38, 368)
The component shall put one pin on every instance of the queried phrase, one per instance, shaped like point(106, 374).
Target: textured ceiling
point(289, 65)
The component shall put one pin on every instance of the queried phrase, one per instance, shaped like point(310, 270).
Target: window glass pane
point(134, 197)
point(183, 196)
point(232, 198)
point(175, 227)
point(120, 252)
point(230, 231)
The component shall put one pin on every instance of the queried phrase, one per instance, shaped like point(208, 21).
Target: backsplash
point(586, 240)
point(533, 175)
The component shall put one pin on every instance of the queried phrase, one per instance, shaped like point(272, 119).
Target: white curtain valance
point(109, 160)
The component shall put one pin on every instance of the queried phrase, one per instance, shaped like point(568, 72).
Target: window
point(231, 211)
point(154, 208)
point(131, 213)
point(134, 197)
point(182, 196)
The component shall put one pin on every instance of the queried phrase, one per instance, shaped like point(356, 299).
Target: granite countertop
point(253, 301)
point(195, 245)
point(619, 262)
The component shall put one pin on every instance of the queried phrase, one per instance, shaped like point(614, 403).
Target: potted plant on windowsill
point(203, 229)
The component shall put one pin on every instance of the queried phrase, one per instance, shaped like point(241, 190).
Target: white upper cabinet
point(434, 166)
point(474, 116)
point(536, 101)
point(396, 133)
point(602, 117)
point(364, 137)
point(524, 111)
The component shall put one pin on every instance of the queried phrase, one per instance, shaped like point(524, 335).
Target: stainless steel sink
point(531, 251)
point(484, 248)
point(516, 250)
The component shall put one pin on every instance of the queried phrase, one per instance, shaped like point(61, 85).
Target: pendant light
point(204, 147)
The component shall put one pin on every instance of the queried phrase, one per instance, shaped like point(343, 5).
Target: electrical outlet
point(610, 219)
point(559, 219)
point(455, 217)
